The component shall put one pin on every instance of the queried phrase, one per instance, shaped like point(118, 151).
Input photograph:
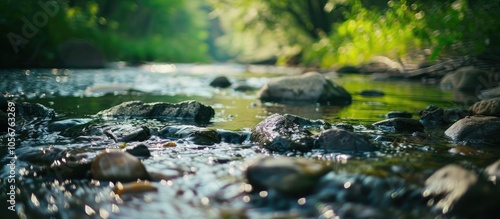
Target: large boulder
point(277, 133)
point(466, 78)
point(342, 140)
point(475, 130)
point(189, 110)
point(311, 87)
point(381, 64)
point(490, 107)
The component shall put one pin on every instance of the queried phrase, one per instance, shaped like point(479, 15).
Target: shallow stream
point(212, 178)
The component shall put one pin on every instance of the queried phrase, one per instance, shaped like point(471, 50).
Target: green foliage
point(447, 28)
point(129, 30)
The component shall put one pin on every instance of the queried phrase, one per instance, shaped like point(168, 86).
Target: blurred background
point(319, 33)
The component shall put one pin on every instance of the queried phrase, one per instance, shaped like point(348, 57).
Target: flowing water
point(214, 186)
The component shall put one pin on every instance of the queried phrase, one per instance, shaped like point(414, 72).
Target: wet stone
point(436, 116)
point(234, 137)
point(398, 114)
point(197, 135)
point(139, 135)
point(293, 176)
point(186, 110)
point(277, 133)
point(307, 123)
point(493, 171)
point(311, 87)
point(448, 184)
point(221, 81)
point(140, 150)
point(490, 107)
point(116, 165)
point(33, 111)
point(398, 125)
point(342, 140)
point(65, 124)
point(344, 126)
point(475, 130)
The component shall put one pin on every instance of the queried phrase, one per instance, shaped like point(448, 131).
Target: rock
point(490, 93)
point(65, 124)
point(465, 78)
point(140, 150)
point(344, 126)
point(342, 140)
point(448, 185)
point(293, 176)
point(475, 130)
point(397, 125)
point(381, 64)
point(307, 123)
point(116, 165)
point(138, 135)
point(371, 93)
point(134, 188)
point(221, 82)
point(277, 133)
point(311, 87)
point(490, 107)
point(398, 114)
point(76, 53)
point(234, 137)
point(197, 135)
point(28, 112)
point(189, 110)
point(493, 171)
point(436, 116)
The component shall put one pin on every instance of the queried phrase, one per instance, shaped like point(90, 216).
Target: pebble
point(116, 165)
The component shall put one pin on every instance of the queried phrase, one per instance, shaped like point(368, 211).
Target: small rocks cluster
point(289, 133)
point(481, 127)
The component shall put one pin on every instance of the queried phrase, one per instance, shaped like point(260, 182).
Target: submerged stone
point(436, 116)
point(342, 140)
point(277, 133)
point(397, 125)
point(311, 87)
point(293, 176)
point(475, 130)
point(189, 110)
point(65, 124)
point(116, 165)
